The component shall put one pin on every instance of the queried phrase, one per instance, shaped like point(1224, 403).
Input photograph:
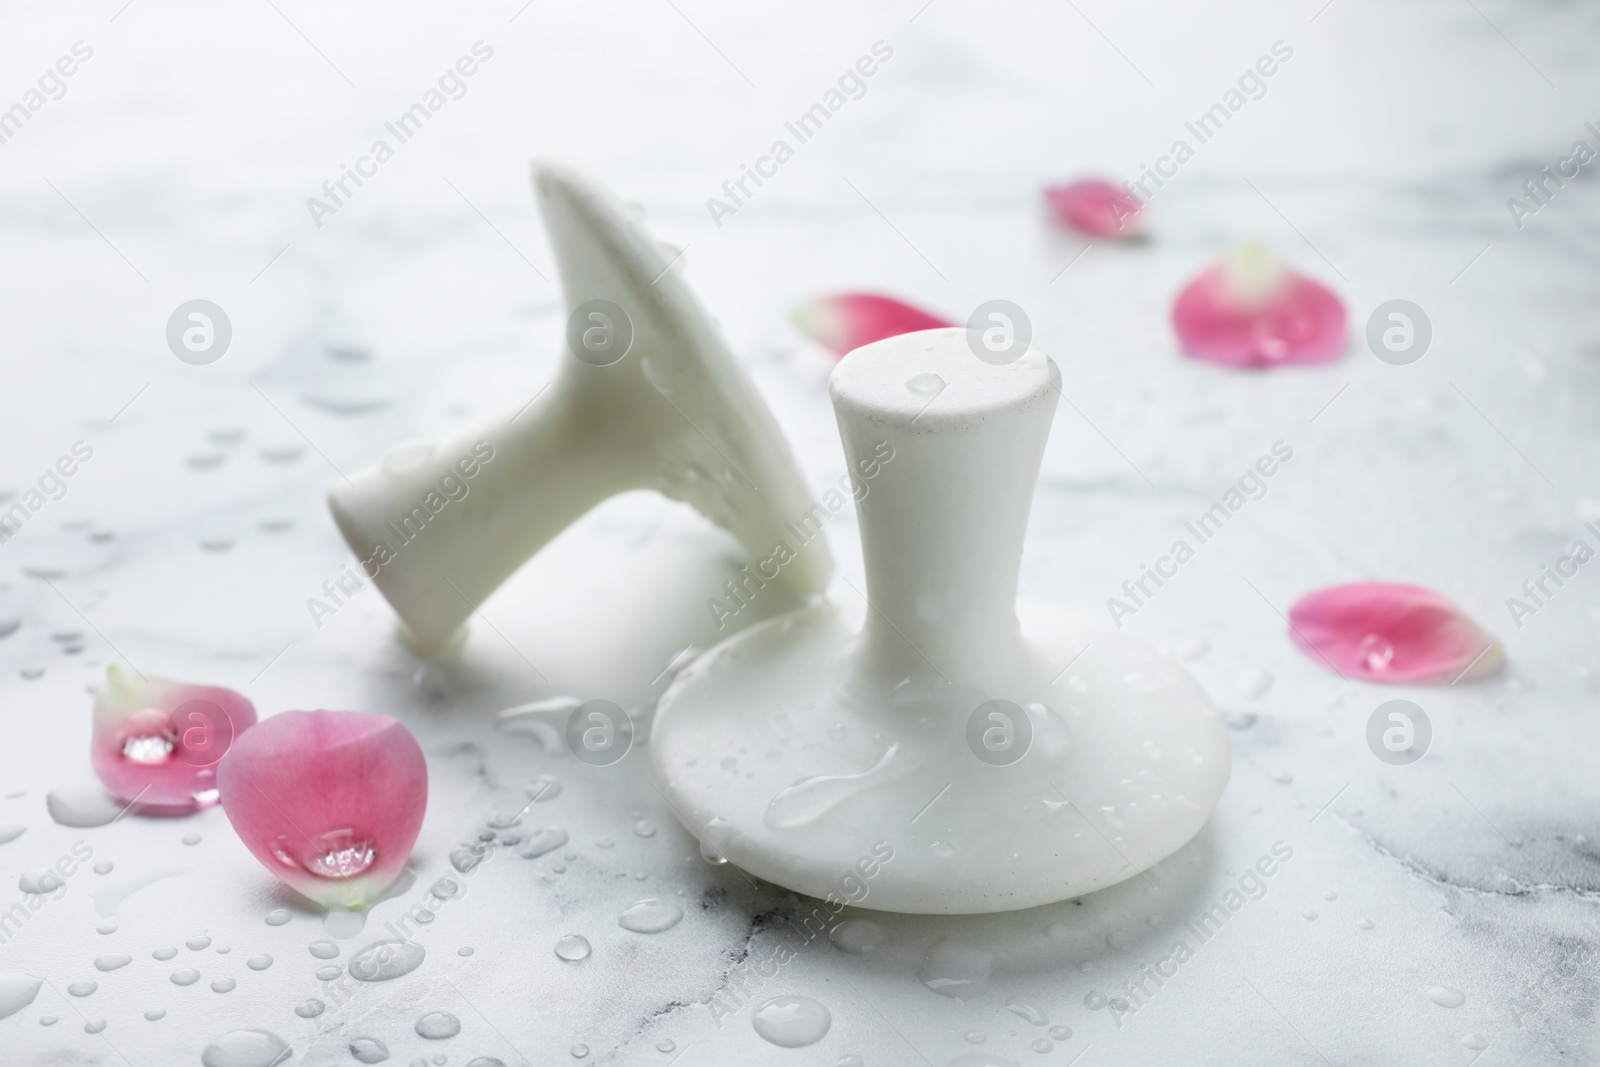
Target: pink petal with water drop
point(1251, 311)
point(1387, 632)
point(846, 321)
point(330, 801)
point(1096, 208)
point(156, 742)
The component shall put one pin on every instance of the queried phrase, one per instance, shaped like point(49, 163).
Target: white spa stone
point(657, 401)
point(812, 746)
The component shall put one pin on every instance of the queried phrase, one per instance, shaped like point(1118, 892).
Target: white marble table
point(177, 165)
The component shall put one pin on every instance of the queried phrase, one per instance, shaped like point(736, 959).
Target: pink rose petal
point(1386, 632)
point(329, 801)
point(1096, 208)
point(1251, 311)
point(156, 742)
point(846, 321)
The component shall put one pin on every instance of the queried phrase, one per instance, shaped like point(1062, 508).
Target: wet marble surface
point(1441, 913)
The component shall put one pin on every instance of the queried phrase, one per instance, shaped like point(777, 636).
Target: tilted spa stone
point(648, 396)
point(999, 764)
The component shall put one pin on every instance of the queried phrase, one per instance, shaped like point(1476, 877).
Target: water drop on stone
point(1328, 894)
point(156, 1014)
point(666, 1044)
point(246, 1048)
point(191, 839)
point(1022, 1009)
point(604, 842)
point(650, 916)
point(438, 1025)
point(1365, 924)
point(223, 985)
point(1060, 1033)
point(544, 840)
point(792, 1021)
point(369, 1050)
point(197, 943)
point(185, 976)
point(709, 853)
point(259, 963)
point(103, 868)
point(579, 1051)
point(112, 960)
point(644, 828)
point(94, 1026)
point(10, 831)
point(1043, 1045)
point(384, 960)
point(329, 973)
point(82, 989)
point(277, 917)
point(485, 1061)
point(1447, 996)
point(464, 950)
point(1094, 1000)
point(39, 882)
point(1310, 916)
point(573, 948)
point(164, 953)
point(106, 928)
point(324, 950)
point(850, 1059)
point(310, 1009)
point(1473, 1042)
point(17, 990)
point(48, 1020)
point(82, 805)
point(858, 936)
point(545, 787)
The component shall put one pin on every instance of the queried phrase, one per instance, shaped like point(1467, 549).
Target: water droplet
point(310, 1009)
point(1328, 894)
point(246, 1048)
point(17, 990)
point(103, 868)
point(341, 854)
point(330, 973)
point(1365, 924)
point(48, 1020)
point(1310, 916)
point(485, 1061)
point(974, 1037)
point(1255, 682)
point(223, 985)
point(808, 799)
point(369, 1050)
point(545, 787)
point(544, 840)
point(223, 950)
point(277, 917)
point(1447, 996)
point(195, 944)
point(106, 928)
point(1473, 1042)
point(1043, 1045)
point(579, 1051)
point(41, 881)
point(850, 1059)
point(792, 1021)
point(94, 1026)
point(650, 916)
point(644, 828)
point(156, 1014)
point(1024, 1010)
point(185, 976)
point(111, 961)
point(10, 831)
point(1060, 1033)
point(1375, 652)
point(858, 936)
point(438, 1025)
point(464, 950)
point(82, 989)
point(604, 842)
point(323, 949)
point(572, 948)
point(925, 384)
point(666, 1044)
point(956, 971)
point(1094, 1000)
point(384, 960)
